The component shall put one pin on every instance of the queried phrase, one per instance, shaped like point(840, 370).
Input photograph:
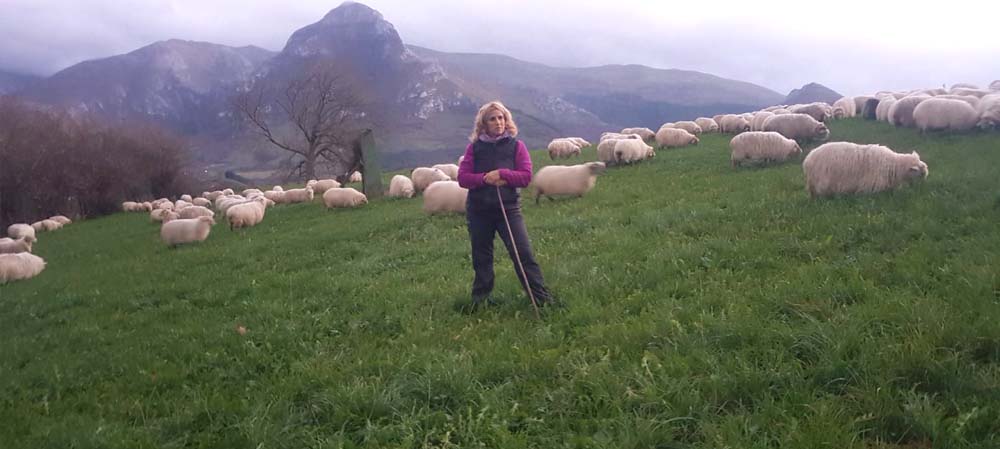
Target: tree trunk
point(310, 167)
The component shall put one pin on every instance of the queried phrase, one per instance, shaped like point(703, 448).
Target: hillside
point(707, 308)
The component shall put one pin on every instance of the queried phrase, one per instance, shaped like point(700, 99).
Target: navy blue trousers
point(483, 227)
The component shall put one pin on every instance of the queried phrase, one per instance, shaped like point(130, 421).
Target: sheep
point(757, 124)
point(21, 245)
point(978, 93)
point(131, 206)
point(973, 101)
point(277, 189)
point(248, 214)
point(882, 111)
point(18, 230)
point(181, 204)
point(319, 186)
point(61, 219)
point(964, 85)
point(298, 195)
point(401, 187)
point(632, 150)
point(211, 196)
point(357, 177)
point(780, 111)
point(859, 103)
point(176, 232)
point(163, 215)
point(444, 197)
point(847, 105)
point(277, 196)
point(186, 197)
point(707, 125)
point(425, 176)
point(15, 267)
point(797, 126)
point(579, 141)
point(560, 148)
point(250, 192)
point(195, 212)
point(46, 225)
point(850, 168)
point(606, 150)
point(644, 133)
point(573, 180)
point(989, 112)
point(618, 136)
point(735, 124)
point(944, 114)
point(688, 126)
point(814, 110)
point(901, 112)
point(343, 197)
point(449, 169)
point(766, 146)
point(674, 137)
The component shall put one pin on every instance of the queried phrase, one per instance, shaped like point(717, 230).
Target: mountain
point(185, 85)
point(810, 93)
point(13, 82)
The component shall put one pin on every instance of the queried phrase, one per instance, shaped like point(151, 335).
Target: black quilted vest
point(487, 157)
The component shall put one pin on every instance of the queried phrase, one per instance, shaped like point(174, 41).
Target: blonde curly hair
point(480, 125)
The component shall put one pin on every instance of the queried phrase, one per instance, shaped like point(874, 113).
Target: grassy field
point(707, 308)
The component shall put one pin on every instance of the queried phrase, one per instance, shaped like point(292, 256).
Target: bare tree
point(314, 116)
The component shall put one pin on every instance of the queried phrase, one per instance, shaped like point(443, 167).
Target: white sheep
point(848, 106)
point(978, 93)
point(632, 150)
point(819, 111)
point(618, 136)
point(195, 212)
point(797, 126)
point(344, 197)
point(675, 137)
point(18, 230)
point(766, 146)
point(688, 126)
point(579, 141)
point(277, 196)
point(425, 176)
point(356, 177)
point(973, 101)
point(734, 124)
point(61, 219)
point(901, 112)
point(21, 245)
point(163, 215)
point(201, 201)
point(278, 189)
point(14, 267)
point(850, 168)
point(449, 169)
point(298, 195)
point(445, 197)
point(131, 206)
point(562, 148)
point(944, 114)
point(186, 197)
point(46, 225)
point(989, 112)
point(401, 187)
point(227, 191)
point(707, 125)
point(575, 180)
point(882, 110)
point(606, 150)
point(176, 232)
point(319, 186)
point(247, 214)
point(643, 133)
point(757, 124)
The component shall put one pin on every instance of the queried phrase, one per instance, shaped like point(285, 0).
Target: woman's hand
point(493, 178)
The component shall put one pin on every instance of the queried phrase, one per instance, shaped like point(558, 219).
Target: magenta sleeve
point(466, 177)
point(520, 176)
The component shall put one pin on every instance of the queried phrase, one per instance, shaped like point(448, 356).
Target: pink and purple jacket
point(519, 177)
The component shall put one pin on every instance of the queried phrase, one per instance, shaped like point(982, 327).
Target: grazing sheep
point(579, 141)
point(757, 124)
point(15, 267)
point(606, 150)
point(425, 176)
point(573, 180)
point(356, 177)
point(401, 187)
point(186, 197)
point(632, 150)
point(181, 204)
point(176, 232)
point(249, 192)
point(765, 146)
point(847, 105)
point(973, 101)
point(344, 197)
point(163, 215)
point(561, 148)
point(944, 114)
point(882, 111)
point(276, 196)
point(688, 126)
point(618, 136)
point(227, 191)
point(733, 124)
point(859, 103)
point(449, 169)
point(901, 112)
point(131, 206)
point(202, 201)
point(320, 186)
point(61, 219)
point(644, 133)
point(46, 225)
point(18, 230)
point(247, 214)
point(445, 197)
point(797, 126)
point(298, 195)
point(674, 137)
point(195, 212)
point(21, 245)
point(850, 168)
point(277, 189)
point(707, 125)
point(818, 111)
point(989, 112)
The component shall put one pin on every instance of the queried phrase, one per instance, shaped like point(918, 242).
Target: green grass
point(708, 308)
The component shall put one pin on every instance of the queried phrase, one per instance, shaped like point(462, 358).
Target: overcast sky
point(853, 47)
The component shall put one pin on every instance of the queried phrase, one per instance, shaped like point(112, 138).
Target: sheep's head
point(796, 149)
point(596, 168)
point(209, 220)
point(821, 132)
point(694, 141)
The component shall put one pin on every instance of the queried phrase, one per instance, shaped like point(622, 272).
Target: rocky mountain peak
point(810, 93)
point(345, 31)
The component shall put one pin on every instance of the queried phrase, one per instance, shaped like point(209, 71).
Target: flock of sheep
point(767, 136)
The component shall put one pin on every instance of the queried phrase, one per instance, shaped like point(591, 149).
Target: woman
point(497, 161)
